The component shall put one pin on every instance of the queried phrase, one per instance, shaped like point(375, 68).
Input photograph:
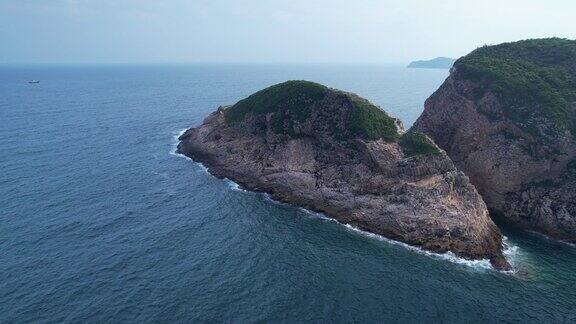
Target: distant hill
point(437, 63)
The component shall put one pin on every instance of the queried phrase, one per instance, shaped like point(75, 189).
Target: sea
point(102, 222)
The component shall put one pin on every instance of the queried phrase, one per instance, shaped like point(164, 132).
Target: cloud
point(263, 30)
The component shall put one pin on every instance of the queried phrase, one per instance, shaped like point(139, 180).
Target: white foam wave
point(318, 215)
point(483, 264)
point(232, 185)
point(510, 251)
point(174, 150)
point(518, 259)
point(199, 164)
point(175, 141)
point(269, 198)
point(511, 256)
point(180, 133)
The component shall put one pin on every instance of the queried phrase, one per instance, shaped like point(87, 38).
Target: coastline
point(477, 264)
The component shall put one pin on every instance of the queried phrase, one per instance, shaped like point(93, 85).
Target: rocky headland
point(336, 153)
point(506, 116)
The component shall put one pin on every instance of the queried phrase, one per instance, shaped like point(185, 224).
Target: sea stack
point(506, 116)
point(336, 153)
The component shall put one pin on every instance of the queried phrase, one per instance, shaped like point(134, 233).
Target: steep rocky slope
point(506, 116)
point(335, 152)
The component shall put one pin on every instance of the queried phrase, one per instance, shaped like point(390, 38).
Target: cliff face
point(336, 153)
point(506, 116)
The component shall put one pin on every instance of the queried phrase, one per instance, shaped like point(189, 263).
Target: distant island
point(437, 63)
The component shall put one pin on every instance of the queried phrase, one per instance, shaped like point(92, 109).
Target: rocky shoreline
point(518, 147)
point(503, 123)
point(398, 185)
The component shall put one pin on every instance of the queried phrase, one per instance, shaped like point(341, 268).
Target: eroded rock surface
point(336, 153)
point(506, 116)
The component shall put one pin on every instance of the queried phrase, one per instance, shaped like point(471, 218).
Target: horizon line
point(213, 63)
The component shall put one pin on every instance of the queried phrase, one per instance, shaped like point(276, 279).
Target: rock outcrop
point(506, 116)
point(336, 153)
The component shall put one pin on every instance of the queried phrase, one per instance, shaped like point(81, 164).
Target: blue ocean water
point(101, 222)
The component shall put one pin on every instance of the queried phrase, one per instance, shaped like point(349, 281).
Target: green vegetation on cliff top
point(370, 122)
point(298, 97)
point(533, 78)
point(415, 143)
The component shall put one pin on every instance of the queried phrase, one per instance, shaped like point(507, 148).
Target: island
point(334, 152)
point(437, 63)
point(506, 116)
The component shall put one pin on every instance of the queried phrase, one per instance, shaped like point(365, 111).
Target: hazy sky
point(173, 31)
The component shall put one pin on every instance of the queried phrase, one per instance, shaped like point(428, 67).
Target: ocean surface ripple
point(102, 222)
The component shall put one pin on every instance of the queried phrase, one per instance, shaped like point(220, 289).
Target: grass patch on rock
point(370, 122)
point(415, 143)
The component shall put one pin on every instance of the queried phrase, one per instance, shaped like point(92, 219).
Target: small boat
point(33, 81)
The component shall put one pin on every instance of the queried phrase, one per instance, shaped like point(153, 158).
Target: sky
point(266, 31)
